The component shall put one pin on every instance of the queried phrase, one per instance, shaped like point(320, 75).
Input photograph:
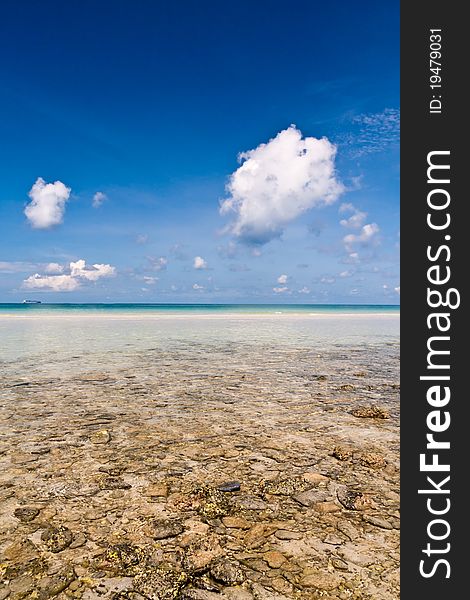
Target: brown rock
point(321, 580)
point(257, 534)
point(26, 514)
point(377, 521)
point(370, 412)
point(274, 559)
point(314, 478)
point(326, 507)
point(157, 490)
point(236, 523)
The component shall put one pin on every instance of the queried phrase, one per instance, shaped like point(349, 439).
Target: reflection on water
point(50, 345)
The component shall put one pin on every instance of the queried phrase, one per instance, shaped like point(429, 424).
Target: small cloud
point(346, 274)
point(397, 290)
point(277, 182)
point(328, 279)
point(142, 239)
point(53, 268)
point(98, 199)
point(282, 279)
point(199, 263)
point(304, 290)
point(368, 235)
point(280, 290)
point(357, 218)
point(47, 205)
point(198, 287)
point(150, 280)
point(158, 264)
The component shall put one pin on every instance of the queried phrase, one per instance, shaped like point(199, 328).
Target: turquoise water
point(201, 308)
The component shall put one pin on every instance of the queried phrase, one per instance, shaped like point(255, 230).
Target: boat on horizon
point(31, 301)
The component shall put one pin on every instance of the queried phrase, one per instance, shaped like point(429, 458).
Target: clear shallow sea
point(52, 339)
point(200, 308)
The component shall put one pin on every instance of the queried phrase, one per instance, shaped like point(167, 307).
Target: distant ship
point(31, 301)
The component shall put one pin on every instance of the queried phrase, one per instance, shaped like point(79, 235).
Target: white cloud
point(150, 280)
point(53, 268)
point(397, 290)
point(277, 182)
point(280, 290)
point(346, 273)
point(69, 282)
point(329, 279)
point(282, 279)
point(196, 286)
point(158, 264)
point(79, 269)
point(366, 236)
point(47, 204)
point(98, 199)
point(199, 263)
point(357, 218)
point(304, 290)
point(52, 283)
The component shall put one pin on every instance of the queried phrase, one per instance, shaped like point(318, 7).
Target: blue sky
point(134, 116)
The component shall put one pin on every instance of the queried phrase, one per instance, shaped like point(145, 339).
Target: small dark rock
point(114, 483)
point(229, 486)
point(163, 528)
point(26, 514)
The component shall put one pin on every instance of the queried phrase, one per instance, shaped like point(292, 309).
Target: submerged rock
point(371, 412)
point(57, 538)
point(26, 514)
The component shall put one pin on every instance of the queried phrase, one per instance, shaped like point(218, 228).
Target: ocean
point(200, 308)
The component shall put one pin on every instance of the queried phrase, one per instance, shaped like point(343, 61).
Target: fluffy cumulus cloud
point(79, 272)
point(282, 279)
point(397, 290)
point(277, 182)
point(79, 269)
point(47, 205)
point(54, 268)
point(51, 283)
point(199, 263)
point(197, 287)
point(366, 236)
point(280, 290)
point(98, 199)
point(356, 219)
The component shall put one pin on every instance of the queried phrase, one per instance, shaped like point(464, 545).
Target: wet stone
point(101, 437)
point(227, 572)
point(114, 483)
point(162, 529)
point(26, 514)
point(371, 412)
point(57, 539)
point(229, 486)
